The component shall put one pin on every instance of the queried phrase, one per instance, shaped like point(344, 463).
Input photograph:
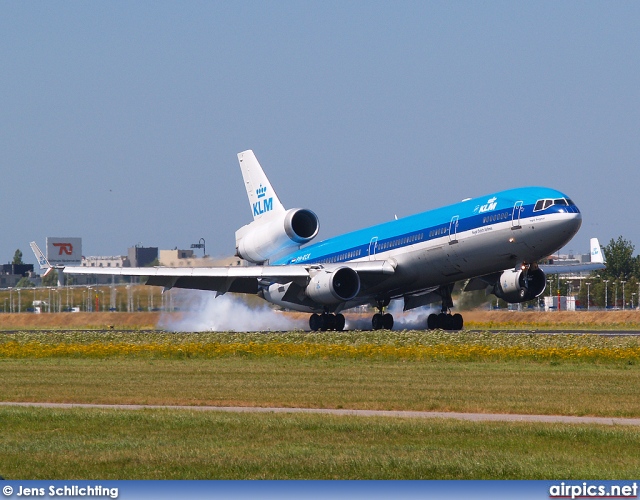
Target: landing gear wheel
point(340, 321)
point(387, 321)
point(432, 321)
point(329, 322)
point(377, 322)
point(442, 321)
point(315, 322)
point(457, 322)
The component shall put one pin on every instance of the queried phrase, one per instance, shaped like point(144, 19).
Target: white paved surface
point(476, 417)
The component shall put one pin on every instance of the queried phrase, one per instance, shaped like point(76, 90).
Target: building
point(142, 256)
point(11, 274)
point(115, 261)
point(186, 258)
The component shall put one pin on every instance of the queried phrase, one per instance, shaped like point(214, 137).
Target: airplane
point(491, 243)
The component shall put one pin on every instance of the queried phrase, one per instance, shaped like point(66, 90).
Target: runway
point(604, 333)
point(473, 417)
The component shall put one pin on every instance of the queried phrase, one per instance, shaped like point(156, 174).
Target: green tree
point(17, 258)
point(25, 283)
point(620, 261)
point(50, 279)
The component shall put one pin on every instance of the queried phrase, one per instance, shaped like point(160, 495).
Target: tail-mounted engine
point(521, 285)
point(333, 287)
point(261, 240)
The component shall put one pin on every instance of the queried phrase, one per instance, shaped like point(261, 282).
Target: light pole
point(606, 303)
point(615, 302)
point(633, 296)
point(588, 294)
point(623, 299)
point(200, 244)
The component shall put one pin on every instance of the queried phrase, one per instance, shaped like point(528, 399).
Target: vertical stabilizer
point(42, 260)
point(596, 251)
point(262, 198)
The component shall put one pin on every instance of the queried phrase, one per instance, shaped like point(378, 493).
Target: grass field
point(466, 372)
point(484, 387)
point(107, 444)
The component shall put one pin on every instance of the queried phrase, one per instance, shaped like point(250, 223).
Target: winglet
point(596, 252)
point(42, 260)
point(262, 198)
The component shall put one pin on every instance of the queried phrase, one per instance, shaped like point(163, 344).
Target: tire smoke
point(203, 312)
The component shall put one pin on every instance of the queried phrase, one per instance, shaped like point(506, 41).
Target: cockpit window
point(544, 204)
point(570, 202)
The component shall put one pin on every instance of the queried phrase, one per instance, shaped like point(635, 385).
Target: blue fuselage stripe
point(431, 225)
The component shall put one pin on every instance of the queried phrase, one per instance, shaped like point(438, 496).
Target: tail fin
point(42, 260)
point(596, 251)
point(262, 198)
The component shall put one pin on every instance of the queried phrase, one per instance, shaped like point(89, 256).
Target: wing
point(240, 279)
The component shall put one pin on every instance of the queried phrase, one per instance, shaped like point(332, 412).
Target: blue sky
point(121, 121)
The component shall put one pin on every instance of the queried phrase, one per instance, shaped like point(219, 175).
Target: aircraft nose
point(571, 222)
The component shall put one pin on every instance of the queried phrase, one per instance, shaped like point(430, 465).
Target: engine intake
point(301, 225)
point(333, 287)
point(520, 286)
point(262, 240)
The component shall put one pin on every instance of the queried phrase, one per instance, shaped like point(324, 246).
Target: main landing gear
point(445, 320)
point(326, 321)
point(381, 320)
point(384, 321)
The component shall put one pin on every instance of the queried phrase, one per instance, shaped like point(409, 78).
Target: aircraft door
point(453, 229)
point(373, 245)
point(515, 217)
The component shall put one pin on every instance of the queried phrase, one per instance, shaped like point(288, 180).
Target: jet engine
point(333, 287)
point(261, 240)
point(520, 286)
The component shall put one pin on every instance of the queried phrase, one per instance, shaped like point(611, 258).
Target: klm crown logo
point(262, 205)
point(491, 204)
